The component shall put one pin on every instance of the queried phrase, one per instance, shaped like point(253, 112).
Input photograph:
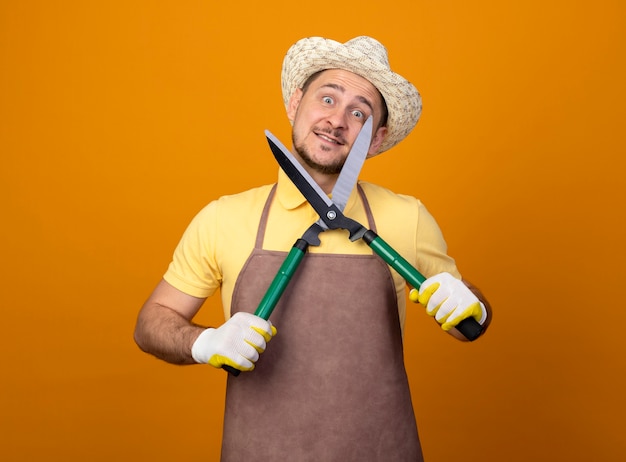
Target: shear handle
point(278, 286)
point(469, 327)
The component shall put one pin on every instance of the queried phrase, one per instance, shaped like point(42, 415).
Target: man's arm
point(164, 328)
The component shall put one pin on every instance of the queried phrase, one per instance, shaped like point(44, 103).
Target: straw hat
point(363, 56)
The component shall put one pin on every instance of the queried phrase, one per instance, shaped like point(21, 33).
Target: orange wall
point(120, 120)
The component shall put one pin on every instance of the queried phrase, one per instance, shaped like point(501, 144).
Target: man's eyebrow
point(341, 89)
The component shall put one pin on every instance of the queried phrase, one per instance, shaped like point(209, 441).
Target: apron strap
point(260, 234)
point(366, 206)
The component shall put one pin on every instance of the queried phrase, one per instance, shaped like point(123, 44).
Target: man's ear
point(294, 102)
point(377, 140)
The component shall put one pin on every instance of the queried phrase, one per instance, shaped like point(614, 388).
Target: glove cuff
point(484, 313)
point(200, 348)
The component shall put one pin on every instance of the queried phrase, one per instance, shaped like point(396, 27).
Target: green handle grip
point(281, 280)
point(469, 327)
point(278, 286)
point(394, 259)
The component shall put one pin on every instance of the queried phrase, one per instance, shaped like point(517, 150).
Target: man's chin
point(327, 169)
point(322, 164)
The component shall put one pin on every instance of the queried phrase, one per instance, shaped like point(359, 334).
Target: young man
point(332, 385)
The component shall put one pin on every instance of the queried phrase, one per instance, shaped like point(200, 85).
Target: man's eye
point(358, 114)
point(327, 100)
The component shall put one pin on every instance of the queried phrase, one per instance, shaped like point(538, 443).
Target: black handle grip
point(231, 370)
point(470, 328)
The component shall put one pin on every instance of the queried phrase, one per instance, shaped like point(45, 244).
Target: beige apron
point(331, 386)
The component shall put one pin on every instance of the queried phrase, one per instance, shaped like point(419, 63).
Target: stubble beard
point(332, 168)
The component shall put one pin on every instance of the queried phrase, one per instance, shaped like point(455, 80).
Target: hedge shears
point(331, 215)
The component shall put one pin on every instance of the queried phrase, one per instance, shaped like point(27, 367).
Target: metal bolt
point(331, 215)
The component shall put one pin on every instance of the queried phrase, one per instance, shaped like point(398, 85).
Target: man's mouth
point(329, 138)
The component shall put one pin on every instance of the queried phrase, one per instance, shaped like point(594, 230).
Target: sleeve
point(431, 249)
point(194, 269)
point(410, 228)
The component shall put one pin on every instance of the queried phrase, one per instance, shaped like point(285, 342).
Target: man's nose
point(337, 118)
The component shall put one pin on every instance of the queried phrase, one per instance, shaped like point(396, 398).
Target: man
point(332, 386)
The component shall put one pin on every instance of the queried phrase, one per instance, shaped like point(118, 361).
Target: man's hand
point(236, 343)
point(449, 300)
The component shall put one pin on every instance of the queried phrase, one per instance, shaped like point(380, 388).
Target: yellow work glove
point(236, 343)
point(449, 300)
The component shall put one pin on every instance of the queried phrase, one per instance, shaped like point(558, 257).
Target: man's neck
point(325, 181)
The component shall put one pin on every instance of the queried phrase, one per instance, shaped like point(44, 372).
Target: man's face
point(328, 116)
